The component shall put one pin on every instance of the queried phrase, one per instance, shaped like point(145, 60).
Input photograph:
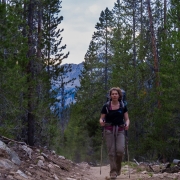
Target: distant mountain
point(69, 88)
point(76, 71)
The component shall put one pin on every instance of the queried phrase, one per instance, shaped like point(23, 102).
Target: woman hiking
point(115, 119)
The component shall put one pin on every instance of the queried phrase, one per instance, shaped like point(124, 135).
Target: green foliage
point(12, 77)
point(83, 132)
point(26, 47)
point(123, 57)
point(120, 54)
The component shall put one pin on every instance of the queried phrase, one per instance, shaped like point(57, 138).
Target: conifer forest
point(135, 46)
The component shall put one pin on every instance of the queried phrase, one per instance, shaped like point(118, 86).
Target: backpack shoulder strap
point(108, 106)
point(122, 104)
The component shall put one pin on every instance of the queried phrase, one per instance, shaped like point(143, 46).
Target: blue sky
point(80, 18)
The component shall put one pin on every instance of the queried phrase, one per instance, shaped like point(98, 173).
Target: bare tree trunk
point(3, 1)
point(30, 74)
point(39, 31)
point(106, 61)
point(134, 49)
point(134, 33)
point(165, 12)
point(165, 16)
point(49, 43)
point(39, 53)
point(141, 16)
point(154, 47)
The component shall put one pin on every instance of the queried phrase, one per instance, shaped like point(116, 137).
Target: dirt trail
point(130, 174)
point(95, 171)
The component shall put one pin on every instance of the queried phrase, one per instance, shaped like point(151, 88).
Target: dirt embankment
point(21, 162)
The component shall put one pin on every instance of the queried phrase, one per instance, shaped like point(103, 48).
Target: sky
point(80, 18)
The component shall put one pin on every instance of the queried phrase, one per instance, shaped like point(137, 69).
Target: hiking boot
point(113, 176)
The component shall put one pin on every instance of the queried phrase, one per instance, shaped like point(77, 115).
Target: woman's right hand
point(102, 122)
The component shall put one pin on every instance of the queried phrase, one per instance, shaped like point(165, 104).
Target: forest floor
point(42, 164)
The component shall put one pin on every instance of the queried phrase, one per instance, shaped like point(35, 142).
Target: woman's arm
point(127, 121)
point(102, 119)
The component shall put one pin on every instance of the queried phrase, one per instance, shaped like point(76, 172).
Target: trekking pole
point(101, 147)
point(126, 134)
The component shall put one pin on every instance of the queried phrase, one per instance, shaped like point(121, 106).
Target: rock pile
point(20, 162)
point(158, 171)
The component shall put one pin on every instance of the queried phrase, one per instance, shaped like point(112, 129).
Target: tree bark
point(154, 47)
point(134, 33)
point(165, 13)
point(30, 74)
point(106, 61)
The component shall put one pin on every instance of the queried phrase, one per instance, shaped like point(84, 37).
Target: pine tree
point(102, 37)
point(13, 51)
point(169, 75)
point(29, 40)
point(83, 125)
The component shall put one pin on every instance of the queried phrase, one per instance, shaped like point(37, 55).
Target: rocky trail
point(134, 174)
point(21, 162)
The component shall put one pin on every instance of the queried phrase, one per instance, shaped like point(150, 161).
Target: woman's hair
point(116, 89)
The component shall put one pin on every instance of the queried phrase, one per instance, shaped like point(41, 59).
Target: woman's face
point(114, 95)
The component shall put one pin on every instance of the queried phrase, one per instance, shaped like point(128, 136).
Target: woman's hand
point(126, 127)
point(127, 121)
point(102, 120)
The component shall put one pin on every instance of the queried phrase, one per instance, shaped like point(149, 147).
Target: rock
point(53, 152)
point(22, 174)
point(40, 163)
point(7, 164)
point(56, 165)
point(43, 154)
point(28, 173)
point(13, 156)
point(156, 168)
point(55, 177)
point(144, 172)
point(10, 177)
point(28, 150)
point(38, 150)
point(84, 165)
point(41, 158)
point(61, 157)
point(50, 166)
point(4, 154)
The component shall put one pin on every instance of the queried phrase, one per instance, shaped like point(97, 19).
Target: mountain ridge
point(69, 90)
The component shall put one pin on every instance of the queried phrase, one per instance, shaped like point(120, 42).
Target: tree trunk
point(30, 74)
point(165, 12)
point(39, 55)
point(4, 1)
point(106, 61)
point(154, 47)
point(134, 34)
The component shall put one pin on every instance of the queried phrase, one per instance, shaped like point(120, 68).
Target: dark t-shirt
point(115, 117)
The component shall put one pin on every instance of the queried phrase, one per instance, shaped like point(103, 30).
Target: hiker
point(115, 119)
